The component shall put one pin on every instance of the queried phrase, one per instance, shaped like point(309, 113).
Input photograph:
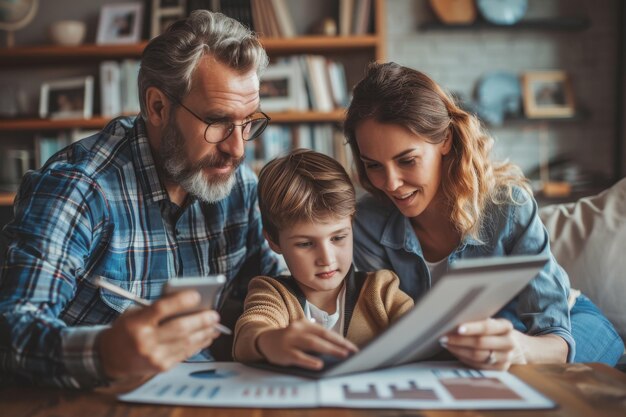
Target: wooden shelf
point(6, 199)
point(308, 117)
point(577, 117)
point(557, 23)
point(352, 51)
point(27, 125)
point(307, 44)
point(24, 125)
point(52, 54)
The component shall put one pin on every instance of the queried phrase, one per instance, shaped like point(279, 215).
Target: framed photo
point(120, 23)
point(278, 89)
point(547, 94)
point(67, 99)
point(164, 13)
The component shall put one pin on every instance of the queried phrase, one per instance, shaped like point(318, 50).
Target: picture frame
point(279, 88)
point(165, 12)
point(547, 94)
point(67, 99)
point(120, 23)
point(15, 163)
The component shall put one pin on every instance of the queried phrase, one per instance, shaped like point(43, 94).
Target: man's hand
point(288, 346)
point(143, 342)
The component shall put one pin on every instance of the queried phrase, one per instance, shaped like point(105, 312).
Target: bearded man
point(148, 199)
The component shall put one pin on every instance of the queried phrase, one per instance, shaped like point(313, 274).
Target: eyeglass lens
point(249, 130)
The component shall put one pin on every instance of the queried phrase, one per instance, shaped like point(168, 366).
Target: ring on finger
point(491, 359)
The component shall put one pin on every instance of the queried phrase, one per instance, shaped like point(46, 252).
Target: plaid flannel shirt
point(99, 208)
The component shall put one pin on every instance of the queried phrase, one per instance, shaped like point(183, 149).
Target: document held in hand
point(472, 289)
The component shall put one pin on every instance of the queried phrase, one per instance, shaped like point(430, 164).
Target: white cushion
point(588, 239)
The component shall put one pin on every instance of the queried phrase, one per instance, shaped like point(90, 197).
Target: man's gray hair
point(169, 60)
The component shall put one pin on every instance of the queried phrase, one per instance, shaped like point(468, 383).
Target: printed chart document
point(473, 289)
point(415, 386)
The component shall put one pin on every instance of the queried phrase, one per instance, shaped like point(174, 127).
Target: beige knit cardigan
point(373, 301)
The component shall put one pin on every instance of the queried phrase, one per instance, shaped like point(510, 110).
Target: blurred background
point(546, 77)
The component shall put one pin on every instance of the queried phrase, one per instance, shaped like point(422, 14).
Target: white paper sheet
point(414, 386)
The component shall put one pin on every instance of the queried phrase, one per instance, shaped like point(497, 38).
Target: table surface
point(579, 390)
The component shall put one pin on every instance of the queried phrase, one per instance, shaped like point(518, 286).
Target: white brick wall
point(457, 59)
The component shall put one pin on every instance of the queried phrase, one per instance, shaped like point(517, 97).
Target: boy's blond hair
point(304, 185)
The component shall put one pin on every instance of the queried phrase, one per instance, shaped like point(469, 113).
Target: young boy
point(307, 203)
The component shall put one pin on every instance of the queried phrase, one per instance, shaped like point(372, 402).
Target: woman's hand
point(487, 344)
point(289, 346)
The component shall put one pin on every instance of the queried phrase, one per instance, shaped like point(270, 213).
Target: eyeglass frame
point(232, 125)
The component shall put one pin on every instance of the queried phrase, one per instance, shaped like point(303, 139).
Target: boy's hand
point(288, 346)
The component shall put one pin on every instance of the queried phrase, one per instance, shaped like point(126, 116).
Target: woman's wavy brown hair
point(391, 93)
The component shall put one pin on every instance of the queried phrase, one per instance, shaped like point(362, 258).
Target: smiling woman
point(436, 198)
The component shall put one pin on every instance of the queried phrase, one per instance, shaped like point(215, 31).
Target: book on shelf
point(361, 16)
point(48, 145)
point(110, 89)
point(346, 12)
point(119, 93)
point(304, 137)
point(130, 89)
point(283, 17)
point(337, 83)
point(270, 16)
point(318, 83)
point(303, 82)
point(264, 19)
point(240, 10)
point(323, 139)
point(343, 153)
point(15, 163)
point(258, 20)
point(275, 141)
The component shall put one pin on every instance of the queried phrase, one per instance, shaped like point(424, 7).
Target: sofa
point(588, 239)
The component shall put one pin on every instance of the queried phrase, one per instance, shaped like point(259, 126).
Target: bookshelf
point(26, 125)
point(355, 51)
point(50, 55)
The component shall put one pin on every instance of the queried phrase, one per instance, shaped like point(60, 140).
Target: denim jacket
point(385, 239)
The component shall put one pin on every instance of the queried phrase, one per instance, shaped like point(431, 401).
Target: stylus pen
point(104, 283)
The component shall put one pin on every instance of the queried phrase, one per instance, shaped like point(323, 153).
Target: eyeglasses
point(219, 130)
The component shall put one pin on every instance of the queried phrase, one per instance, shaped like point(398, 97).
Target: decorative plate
point(502, 12)
point(498, 93)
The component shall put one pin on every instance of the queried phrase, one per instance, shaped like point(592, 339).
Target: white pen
point(107, 285)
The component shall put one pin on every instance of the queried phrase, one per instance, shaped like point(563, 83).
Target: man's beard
point(191, 176)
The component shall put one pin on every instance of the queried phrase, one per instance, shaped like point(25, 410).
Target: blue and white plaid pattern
point(98, 208)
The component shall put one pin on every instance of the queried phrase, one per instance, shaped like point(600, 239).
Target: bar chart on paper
point(432, 387)
point(415, 386)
